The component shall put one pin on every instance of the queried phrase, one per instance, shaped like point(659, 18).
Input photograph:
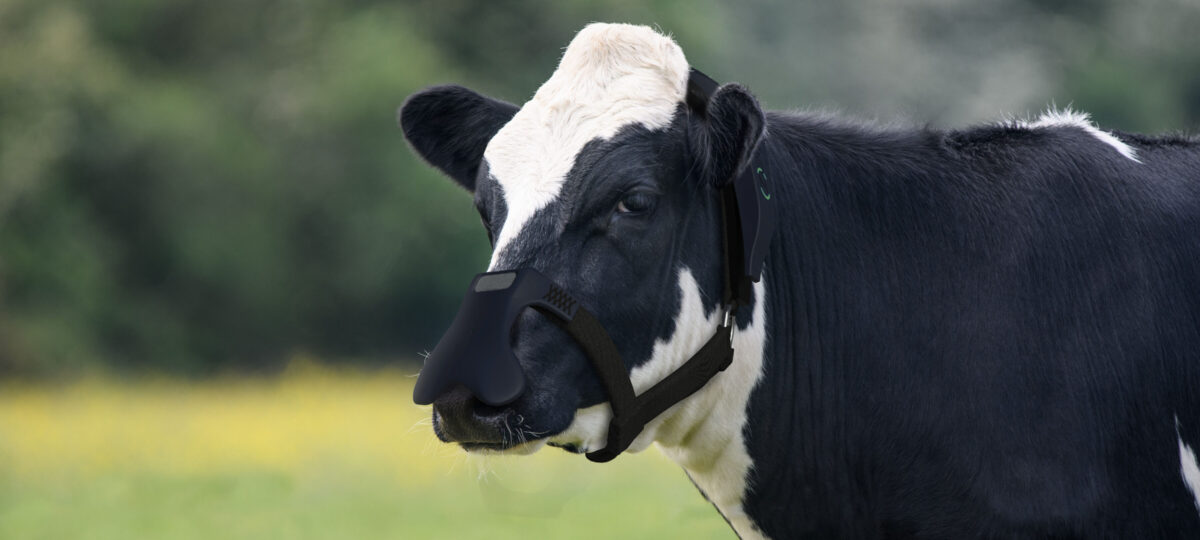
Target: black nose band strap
point(632, 412)
point(475, 352)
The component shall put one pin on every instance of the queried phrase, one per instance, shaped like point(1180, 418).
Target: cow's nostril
point(456, 403)
point(462, 418)
point(485, 411)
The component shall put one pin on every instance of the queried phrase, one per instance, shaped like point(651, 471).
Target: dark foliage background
point(198, 186)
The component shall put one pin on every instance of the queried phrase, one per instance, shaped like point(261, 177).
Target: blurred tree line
point(195, 186)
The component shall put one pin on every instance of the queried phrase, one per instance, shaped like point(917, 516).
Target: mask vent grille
point(560, 299)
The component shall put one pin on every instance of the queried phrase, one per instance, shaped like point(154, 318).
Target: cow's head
point(607, 182)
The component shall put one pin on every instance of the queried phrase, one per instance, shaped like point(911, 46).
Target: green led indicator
point(765, 195)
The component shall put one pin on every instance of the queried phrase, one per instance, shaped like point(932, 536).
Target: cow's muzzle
point(475, 352)
point(475, 357)
point(459, 417)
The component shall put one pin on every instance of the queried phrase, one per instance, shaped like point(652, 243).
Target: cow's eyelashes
point(636, 202)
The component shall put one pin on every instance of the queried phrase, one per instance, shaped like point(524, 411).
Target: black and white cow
point(992, 332)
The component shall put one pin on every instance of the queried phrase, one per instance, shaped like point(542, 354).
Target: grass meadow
point(313, 453)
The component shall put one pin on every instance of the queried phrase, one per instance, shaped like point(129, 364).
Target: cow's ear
point(733, 126)
point(450, 126)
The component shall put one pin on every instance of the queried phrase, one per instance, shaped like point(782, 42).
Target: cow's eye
point(636, 202)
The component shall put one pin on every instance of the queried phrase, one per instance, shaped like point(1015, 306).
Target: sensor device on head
point(476, 351)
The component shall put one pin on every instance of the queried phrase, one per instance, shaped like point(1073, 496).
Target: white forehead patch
point(611, 76)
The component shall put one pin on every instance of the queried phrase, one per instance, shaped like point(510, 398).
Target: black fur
point(727, 133)
point(977, 334)
point(450, 126)
point(985, 333)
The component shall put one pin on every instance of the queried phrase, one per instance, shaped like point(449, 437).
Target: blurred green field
point(311, 454)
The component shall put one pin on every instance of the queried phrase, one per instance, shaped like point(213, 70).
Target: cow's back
point(1000, 327)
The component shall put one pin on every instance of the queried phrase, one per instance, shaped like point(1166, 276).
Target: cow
point(989, 332)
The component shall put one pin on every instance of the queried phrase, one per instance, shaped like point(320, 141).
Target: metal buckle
point(727, 322)
point(728, 316)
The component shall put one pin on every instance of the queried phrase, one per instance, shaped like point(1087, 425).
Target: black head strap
point(741, 268)
point(631, 412)
point(700, 89)
point(475, 353)
point(748, 215)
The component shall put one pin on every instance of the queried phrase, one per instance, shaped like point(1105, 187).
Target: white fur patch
point(1188, 467)
point(704, 433)
point(611, 76)
point(1055, 118)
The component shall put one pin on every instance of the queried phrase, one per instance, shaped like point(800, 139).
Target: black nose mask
point(476, 350)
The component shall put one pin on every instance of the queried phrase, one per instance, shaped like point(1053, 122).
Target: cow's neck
point(780, 386)
point(706, 434)
point(805, 444)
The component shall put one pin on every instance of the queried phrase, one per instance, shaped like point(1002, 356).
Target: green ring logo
point(765, 195)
